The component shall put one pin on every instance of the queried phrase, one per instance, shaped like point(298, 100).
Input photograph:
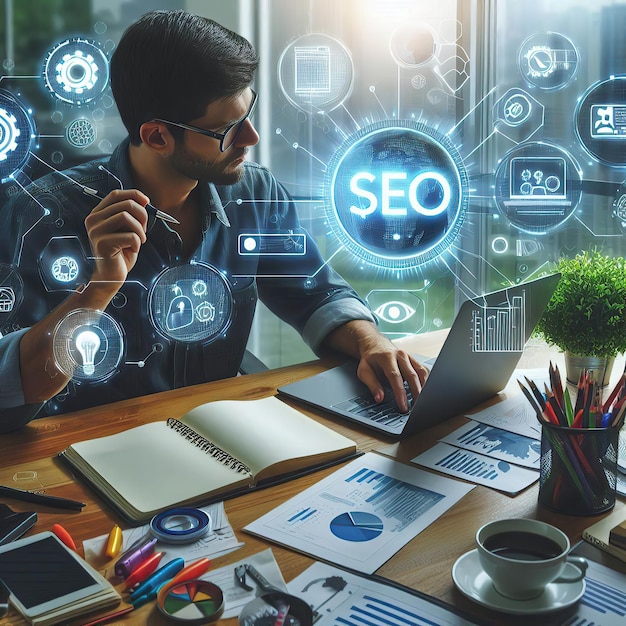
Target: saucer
point(472, 582)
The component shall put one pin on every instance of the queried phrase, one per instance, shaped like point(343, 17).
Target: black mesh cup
point(578, 474)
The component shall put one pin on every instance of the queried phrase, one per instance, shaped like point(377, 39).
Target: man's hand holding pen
point(117, 229)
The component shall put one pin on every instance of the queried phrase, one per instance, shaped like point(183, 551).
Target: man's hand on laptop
point(387, 366)
point(381, 363)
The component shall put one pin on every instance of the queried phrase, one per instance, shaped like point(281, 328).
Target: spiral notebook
point(215, 451)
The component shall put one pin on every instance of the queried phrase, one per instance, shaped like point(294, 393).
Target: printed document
point(362, 514)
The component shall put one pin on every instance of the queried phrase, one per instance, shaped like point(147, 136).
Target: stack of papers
point(500, 448)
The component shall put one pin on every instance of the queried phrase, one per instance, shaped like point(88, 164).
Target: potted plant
point(586, 317)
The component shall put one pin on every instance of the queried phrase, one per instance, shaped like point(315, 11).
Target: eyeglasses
point(229, 136)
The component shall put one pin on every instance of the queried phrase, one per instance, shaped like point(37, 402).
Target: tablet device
point(44, 576)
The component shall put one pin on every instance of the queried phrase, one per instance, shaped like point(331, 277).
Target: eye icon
point(395, 312)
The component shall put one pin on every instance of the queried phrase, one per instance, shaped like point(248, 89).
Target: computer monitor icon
point(538, 178)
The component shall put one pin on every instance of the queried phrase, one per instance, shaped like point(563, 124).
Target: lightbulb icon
point(87, 343)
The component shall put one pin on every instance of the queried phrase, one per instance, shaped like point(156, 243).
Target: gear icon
point(9, 132)
point(17, 134)
point(540, 61)
point(76, 71)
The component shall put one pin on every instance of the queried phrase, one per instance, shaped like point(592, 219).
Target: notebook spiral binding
point(208, 446)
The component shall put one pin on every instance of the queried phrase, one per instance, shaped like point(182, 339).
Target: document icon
point(312, 69)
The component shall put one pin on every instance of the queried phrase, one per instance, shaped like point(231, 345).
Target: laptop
point(476, 361)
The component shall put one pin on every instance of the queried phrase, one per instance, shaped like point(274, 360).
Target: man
point(182, 85)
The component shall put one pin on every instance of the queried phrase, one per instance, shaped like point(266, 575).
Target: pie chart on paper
point(356, 526)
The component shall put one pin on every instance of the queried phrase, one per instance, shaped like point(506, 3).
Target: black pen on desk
point(162, 215)
point(40, 498)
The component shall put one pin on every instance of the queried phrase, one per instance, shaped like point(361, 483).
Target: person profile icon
point(604, 123)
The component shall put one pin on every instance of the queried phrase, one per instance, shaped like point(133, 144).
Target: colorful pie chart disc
point(193, 602)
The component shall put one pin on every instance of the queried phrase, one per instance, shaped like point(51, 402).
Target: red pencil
point(191, 571)
point(143, 570)
point(550, 416)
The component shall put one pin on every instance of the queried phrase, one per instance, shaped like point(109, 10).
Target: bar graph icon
point(500, 328)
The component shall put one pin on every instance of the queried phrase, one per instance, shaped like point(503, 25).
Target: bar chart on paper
point(478, 468)
point(362, 514)
point(339, 598)
point(497, 443)
point(604, 600)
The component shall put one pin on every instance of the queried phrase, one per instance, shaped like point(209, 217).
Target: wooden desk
point(424, 564)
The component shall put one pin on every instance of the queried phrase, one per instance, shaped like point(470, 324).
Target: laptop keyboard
point(385, 412)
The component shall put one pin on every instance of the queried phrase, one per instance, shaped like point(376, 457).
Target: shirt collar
point(120, 164)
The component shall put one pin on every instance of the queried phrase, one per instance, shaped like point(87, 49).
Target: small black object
point(40, 498)
point(4, 599)
point(13, 525)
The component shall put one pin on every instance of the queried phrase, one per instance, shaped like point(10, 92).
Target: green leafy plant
point(585, 315)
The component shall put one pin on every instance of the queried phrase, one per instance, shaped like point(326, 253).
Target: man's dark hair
point(173, 64)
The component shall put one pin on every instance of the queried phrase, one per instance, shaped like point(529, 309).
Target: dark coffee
point(522, 546)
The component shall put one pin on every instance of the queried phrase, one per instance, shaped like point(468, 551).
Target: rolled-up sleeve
point(11, 393)
point(332, 315)
point(13, 412)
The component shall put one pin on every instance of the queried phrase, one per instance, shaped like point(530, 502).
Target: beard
point(219, 171)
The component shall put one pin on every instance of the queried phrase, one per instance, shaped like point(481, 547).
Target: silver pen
point(166, 217)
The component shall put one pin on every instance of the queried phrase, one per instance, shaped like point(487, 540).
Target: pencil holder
point(578, 473)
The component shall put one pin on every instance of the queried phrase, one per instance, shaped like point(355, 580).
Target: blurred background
point(520, 106)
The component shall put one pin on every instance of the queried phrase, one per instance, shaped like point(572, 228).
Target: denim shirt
point(252, 247)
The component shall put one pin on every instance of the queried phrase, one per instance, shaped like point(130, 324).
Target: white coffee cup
point(522, 556)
